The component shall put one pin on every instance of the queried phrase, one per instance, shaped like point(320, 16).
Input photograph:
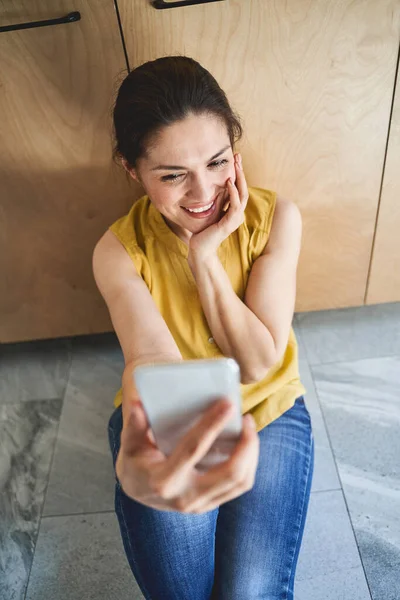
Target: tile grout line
point(351, 360)
point(81, 514)
point(49, 471)
point(339, 477)
point(339, 489)
point(338, 571)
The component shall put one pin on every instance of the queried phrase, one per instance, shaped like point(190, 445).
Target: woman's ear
point(132, 172)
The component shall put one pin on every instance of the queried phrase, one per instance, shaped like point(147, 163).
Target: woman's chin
point(203, 224)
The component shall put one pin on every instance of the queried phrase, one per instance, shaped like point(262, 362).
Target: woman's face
point(187, 167)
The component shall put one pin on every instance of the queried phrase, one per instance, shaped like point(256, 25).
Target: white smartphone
point(175, 395)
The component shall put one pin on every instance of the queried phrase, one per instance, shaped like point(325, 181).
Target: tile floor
point(59, 537)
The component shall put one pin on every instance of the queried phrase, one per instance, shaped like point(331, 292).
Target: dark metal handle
point(70, 18)
point(160, 4)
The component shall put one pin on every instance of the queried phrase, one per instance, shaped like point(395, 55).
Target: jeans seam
point(303, 506)
point(132, 556)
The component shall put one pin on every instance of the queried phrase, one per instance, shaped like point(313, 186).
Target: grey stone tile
point(27, 436)
point(361, 404)
point(82, 476)
point(382, 564)
point(325, 472)
point(34, 370)
point(81, 557)
point(350, 333)
point(328, 544)
point(349, 584)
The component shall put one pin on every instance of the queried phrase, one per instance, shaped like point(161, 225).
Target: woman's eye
point(174, 177)
point(218, 163)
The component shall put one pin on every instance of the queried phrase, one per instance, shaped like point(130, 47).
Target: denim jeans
point(245, 549)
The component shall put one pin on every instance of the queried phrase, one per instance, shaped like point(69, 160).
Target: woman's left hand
point(205, 244)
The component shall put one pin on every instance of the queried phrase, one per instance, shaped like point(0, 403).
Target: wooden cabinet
point(59, 188)
point(313, 82)
point(384, 282)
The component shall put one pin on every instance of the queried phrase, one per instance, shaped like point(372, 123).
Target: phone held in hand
point(176, 395)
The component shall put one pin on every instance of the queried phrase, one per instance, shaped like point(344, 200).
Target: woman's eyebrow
point(175, 167)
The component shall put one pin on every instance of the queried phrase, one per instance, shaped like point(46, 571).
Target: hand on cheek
point(226, 199)
point(233, 178)
point(204, 244)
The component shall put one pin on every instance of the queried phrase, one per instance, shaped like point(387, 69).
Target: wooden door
point(313, 82)
point(384, 282)
point(59, 189)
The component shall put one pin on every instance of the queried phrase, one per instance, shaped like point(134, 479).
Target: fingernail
point(224, 408)
point(250, 421)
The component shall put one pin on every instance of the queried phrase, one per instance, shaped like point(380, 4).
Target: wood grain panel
point(384, 282)
point(59, 189)
point(313, 83)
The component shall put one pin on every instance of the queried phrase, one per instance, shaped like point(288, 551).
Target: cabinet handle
point(160, 4)
point(70, 18)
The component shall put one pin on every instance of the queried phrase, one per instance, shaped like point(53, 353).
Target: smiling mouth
point(201, 209)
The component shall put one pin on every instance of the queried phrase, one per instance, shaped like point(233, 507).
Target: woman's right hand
point(173, 483)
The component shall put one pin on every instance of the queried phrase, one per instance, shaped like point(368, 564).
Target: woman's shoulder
point(131, 228)
point(131, 231)
point(260, 208)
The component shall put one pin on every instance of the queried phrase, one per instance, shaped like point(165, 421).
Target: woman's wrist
point(197, 260)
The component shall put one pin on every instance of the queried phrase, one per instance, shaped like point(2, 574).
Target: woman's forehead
point(196, 138)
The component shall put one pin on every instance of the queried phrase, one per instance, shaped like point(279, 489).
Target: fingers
point(238, 192)
point(136, 431)
point(226, 197)
point(243, 192)
point(235, 216)
point(196, 443)
point(233, 195)
point(217, 485)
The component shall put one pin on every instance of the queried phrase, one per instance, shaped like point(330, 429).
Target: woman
point(204, 267)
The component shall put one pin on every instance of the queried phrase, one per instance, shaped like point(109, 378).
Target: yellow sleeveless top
point(160, 258)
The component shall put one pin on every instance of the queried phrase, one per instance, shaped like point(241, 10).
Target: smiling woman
point(204, 266)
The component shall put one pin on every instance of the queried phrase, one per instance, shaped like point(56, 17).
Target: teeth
point(199, 210)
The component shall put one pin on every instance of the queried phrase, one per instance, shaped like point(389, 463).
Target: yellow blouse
point(160, 258)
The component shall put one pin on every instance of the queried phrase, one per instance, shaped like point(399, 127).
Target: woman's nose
point(201, 189)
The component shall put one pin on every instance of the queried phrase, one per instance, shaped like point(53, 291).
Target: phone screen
point(176, 395)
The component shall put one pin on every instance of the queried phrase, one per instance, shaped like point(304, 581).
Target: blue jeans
point(245, 549)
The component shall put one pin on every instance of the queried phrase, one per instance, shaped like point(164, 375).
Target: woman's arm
point(255, 332)
point(140, 328)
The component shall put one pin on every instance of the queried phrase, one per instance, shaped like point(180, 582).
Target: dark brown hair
point(160, 92)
